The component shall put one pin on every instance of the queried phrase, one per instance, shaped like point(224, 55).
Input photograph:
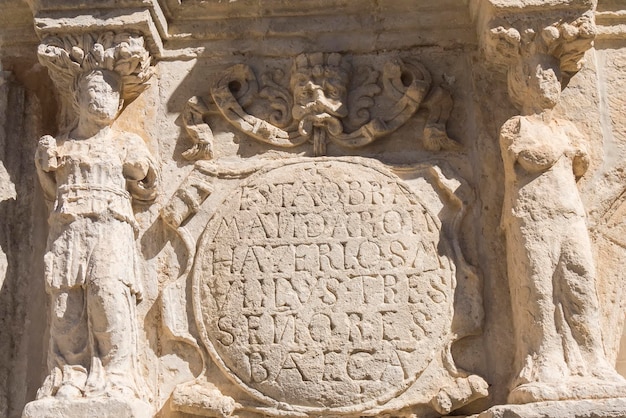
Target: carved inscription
point(322, 284)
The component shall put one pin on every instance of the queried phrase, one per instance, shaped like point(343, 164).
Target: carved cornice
point(145, 18)
point(176, 29)
point(611, 22)
point(185, 29)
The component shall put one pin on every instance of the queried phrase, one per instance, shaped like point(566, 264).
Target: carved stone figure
point(91, 174)
point(552, 276)
point(321, 245)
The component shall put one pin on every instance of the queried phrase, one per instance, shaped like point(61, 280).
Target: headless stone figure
point(552, 276)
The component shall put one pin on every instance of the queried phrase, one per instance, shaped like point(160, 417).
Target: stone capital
point(54, 17)
point(69, 56)
point(510, 31)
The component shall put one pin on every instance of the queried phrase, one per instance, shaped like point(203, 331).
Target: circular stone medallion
point(321, 284)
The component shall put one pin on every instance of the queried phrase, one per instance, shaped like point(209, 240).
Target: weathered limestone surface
point(280, 209)
point(577, 409)
point(49, 408)
point(18, 237)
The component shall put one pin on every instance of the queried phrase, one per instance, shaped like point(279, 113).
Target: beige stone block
point(600, 408)
point(97, 407)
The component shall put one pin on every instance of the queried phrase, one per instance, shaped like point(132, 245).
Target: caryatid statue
point(92, 173)
point(551, 272)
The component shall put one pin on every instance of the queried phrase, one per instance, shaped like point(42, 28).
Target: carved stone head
point(535, 83)
point(97, 96)
point(319, 84)
point(541, 59)
point(71, 58)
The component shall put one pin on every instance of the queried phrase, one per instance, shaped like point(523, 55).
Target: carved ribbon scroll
point(327, 100)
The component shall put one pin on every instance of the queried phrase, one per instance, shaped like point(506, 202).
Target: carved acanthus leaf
point(70, 55)
point(67, 56)
point(439, 104)
point(566, 41)
point(231, 93)
point(361, 97)
point(280, 101)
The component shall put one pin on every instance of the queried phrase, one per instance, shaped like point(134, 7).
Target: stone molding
point(144, 17)
point(170, 35)
point(611, 21)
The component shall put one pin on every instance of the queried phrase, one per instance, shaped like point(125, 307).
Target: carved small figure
point(92, 174)
point(551, 271)
point(320, 94)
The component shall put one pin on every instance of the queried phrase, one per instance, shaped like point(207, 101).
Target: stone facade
point(284, 209)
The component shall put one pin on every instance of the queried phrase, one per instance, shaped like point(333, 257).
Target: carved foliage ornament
point(69, 56)
point(565, 41)
point(326, 100)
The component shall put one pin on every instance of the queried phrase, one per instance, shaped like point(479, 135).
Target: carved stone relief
point(552, 274)
point(326, 99)
point(90, 174)
point(327, 285)
point(314, 214)
point(317, 293)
